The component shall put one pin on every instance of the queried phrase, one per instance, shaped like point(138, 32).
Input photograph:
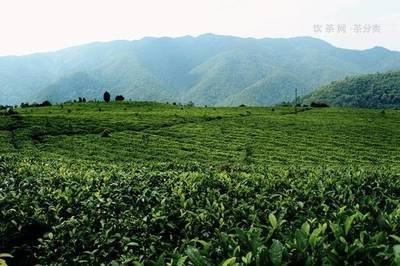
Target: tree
point(45, 103)
point(107, 97)
point(119, 98)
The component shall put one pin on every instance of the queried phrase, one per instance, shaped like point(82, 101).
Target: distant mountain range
point(380, 90)
point(209, 69)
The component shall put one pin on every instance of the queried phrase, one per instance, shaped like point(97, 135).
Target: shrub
point(318, 105)
point(34, 104)
point(145, 138)
point(37, 134)
point(248, 154)
point(119, 98)
point(10, 111)
point(46, 103)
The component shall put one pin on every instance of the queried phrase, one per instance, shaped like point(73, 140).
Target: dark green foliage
point(38, 133)
point(248, 154)
point(380, 90)
point(92, 214)
point(9, 111)
point(119, 98)
point(43, 104)
point(318, 105)
point(106, 97)
point(199, 186)
point(82, 100)
point(105, 133)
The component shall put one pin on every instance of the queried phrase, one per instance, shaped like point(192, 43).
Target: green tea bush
point(185, 214)
point(106, 133)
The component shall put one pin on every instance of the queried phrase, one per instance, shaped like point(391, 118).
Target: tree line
point(106, 98)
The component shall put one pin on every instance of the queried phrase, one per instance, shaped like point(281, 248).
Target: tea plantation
point(142, 183)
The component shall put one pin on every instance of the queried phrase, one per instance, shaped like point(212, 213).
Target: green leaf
point(229, 262)
point(272, 220)
point(348, 222)
point(196, 258)
point(160, 261)
point(205, 244)
point(306, 228)
point(395, 238)
point(3, 262)
point(133, 244)
point(314, 237)
point(301, 240)
point(247, 259)
point(276, 252)
point(261, 257)
point(396, 252)
point(181, 261)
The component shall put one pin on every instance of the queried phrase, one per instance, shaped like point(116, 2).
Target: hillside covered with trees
point(207, 70)
point(381, 90)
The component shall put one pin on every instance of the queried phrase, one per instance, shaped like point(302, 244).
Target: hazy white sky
point(28, 26)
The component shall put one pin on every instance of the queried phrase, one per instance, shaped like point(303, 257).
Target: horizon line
point(185, 36)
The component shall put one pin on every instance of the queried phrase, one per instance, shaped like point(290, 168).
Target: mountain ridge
point(208, 69)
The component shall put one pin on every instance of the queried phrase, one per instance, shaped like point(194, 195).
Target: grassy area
point(155, 183)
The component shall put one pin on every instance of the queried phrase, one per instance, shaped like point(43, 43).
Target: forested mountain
point(381, 90)
point(209, 69)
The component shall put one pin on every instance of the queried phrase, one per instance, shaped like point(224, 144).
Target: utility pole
point(295, 100)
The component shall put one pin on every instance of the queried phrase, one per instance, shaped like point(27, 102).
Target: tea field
point(142, 183)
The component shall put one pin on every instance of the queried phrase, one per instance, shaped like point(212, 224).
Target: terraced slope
point(157, 132)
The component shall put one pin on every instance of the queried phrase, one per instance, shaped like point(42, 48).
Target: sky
point(28, 26)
